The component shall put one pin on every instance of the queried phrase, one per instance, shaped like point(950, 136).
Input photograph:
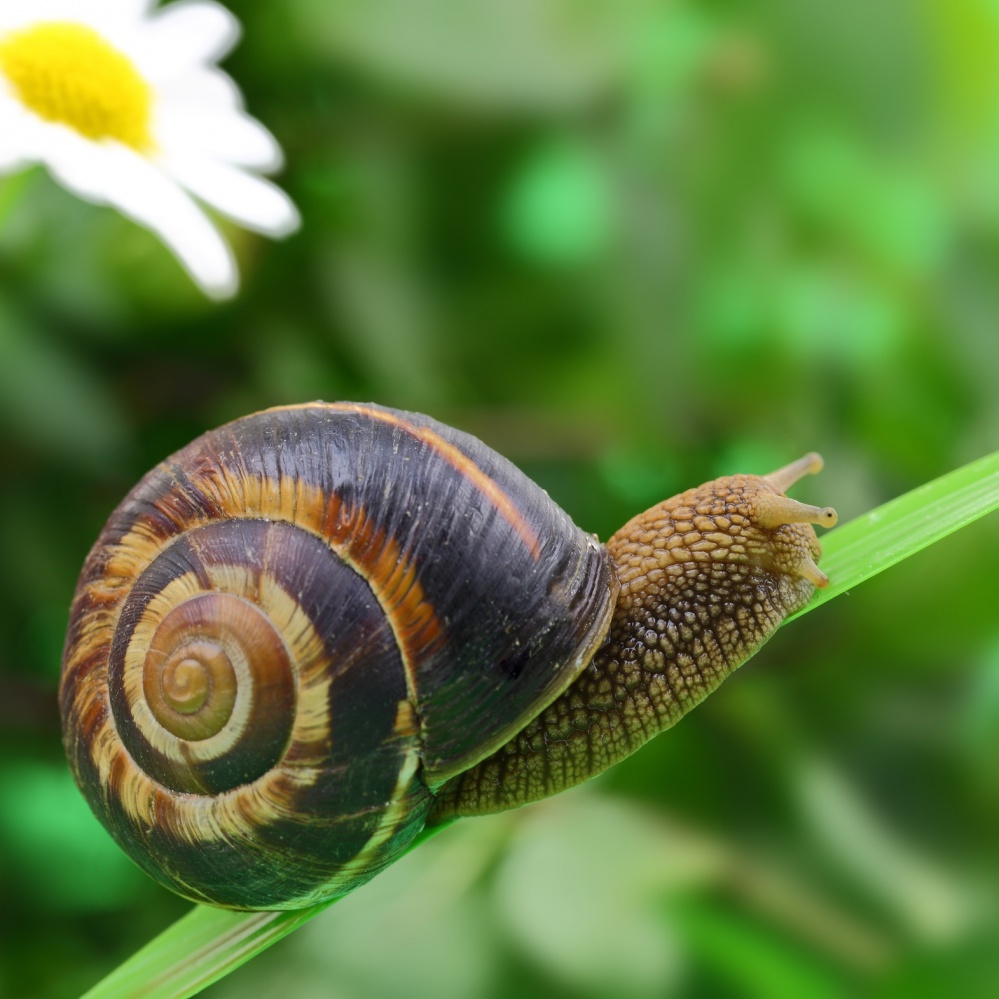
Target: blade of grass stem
point(200, 948)
point(204, 946)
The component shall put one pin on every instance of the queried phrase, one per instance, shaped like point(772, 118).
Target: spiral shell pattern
point(295, 629)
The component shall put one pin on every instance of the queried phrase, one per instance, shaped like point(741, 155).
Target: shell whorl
point(294, 629)
point(209, 650)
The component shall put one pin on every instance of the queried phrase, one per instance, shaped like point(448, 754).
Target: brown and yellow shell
point(295, 629)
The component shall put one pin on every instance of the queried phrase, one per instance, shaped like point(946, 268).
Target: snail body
point(317, 629)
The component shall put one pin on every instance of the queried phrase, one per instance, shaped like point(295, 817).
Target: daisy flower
point(126, 106)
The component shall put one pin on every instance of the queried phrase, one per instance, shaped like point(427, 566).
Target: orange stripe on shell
point(462, 464)
point(392, 576)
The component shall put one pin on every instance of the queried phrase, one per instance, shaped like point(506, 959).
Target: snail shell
point(297, 628)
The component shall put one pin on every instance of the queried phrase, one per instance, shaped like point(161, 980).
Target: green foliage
point(632, 245)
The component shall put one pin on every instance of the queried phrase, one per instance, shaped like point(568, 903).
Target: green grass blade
point(874, 541)
point(208, 943)
point(204, 946)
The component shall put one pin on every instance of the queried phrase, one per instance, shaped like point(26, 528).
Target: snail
point(318, 629)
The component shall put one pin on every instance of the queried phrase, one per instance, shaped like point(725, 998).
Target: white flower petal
point(39, 140)
point(109, 14)
point(153, 200)
point(134, 10)
point(230, 136)
point(12, 142)
point(252, 201)
point(194, 32)
point(10, 161)
point(16, 15)
point(86, 168)
point(116, 20)
point(120, 177)
point(205, 88)
point(12, 18)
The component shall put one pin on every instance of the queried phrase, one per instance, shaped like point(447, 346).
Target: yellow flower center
point(68, 73)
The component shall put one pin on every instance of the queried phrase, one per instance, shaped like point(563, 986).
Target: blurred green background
point(631, 244)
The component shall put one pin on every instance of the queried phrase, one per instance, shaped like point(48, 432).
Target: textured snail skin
point(316, 629)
